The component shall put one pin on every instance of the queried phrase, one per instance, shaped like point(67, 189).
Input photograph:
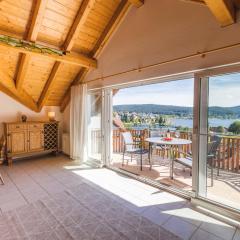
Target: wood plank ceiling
point(80, 28)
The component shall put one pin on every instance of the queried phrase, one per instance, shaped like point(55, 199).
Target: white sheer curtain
point(78, 122)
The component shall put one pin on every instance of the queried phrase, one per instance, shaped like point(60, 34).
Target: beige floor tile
point(180, 227)
point(51, 179)
point(155, 215)
point(188, 214)
point(218, 228)
point(12, 204)
point(203, 235)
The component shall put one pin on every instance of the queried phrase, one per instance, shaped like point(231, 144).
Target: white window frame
point(92, 92)
point(107, 126)
point(200, 134)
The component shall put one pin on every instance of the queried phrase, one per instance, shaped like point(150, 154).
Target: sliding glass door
point(142, 117)
point(217, 124)
point(209, 164)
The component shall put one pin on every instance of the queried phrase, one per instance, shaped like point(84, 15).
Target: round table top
point(174, 141)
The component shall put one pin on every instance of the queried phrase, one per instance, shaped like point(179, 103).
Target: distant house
point(219, 129)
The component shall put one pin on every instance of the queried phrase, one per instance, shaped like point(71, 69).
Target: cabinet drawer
point(16, 127)
point(35, 126)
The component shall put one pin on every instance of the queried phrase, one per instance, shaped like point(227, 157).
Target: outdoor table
point(173, 142)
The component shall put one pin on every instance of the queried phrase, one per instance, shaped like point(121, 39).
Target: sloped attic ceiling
point(77, 27)
point(39, 76)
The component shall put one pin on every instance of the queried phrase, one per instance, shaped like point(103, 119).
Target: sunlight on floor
point(81, 166)
point(123, 188)
point(166, 209)
point(193, 215)
point(31, 181)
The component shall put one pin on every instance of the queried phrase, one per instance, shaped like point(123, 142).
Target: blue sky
point(223, 91)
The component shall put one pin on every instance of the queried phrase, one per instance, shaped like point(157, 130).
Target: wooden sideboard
point(28, 138)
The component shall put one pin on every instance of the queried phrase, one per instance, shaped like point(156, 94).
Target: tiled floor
point(32, 181)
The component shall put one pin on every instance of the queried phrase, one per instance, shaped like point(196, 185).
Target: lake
point(213, 122)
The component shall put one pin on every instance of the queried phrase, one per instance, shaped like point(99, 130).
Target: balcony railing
point(227, 155)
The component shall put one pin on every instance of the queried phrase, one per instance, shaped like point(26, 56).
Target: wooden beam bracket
point(223, 10)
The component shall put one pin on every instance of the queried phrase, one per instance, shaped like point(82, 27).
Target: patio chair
point(161, 148)
point(2, 148)
point(211, 154)
point(133, 147)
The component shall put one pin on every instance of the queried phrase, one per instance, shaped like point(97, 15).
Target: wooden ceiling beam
point(223, 10)
point(71, 58)
point(21, 97)
point(80, 19)
point(67, 96)
point(35, 24)
point(21, 70)
point(137, 3)
point(66, 100)
point(48, 86)
point(36, 20)
point(111, 27)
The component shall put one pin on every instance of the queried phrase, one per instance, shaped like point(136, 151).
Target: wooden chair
point(2, 149)
point(133, 147)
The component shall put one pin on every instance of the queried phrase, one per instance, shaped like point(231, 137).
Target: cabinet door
point(36, 141)
point(17, 142)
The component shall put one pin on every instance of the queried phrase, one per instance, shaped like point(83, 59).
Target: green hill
point(215, 111)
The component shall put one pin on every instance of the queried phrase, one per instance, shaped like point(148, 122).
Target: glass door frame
point(108, 130)
point(200, 132)
point(200, 83)
point(107, 125)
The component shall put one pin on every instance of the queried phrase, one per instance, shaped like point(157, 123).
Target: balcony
point(226, 184)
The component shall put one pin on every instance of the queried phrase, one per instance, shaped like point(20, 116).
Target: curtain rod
point(201, 54)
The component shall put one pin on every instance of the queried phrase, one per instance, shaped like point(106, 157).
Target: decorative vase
point(24, 118)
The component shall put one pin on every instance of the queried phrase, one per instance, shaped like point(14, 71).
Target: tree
point(181, 128)
point(161, 121)
point(234, 127)
point(219, 129)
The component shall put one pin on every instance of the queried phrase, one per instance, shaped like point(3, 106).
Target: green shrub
point(234, 127)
